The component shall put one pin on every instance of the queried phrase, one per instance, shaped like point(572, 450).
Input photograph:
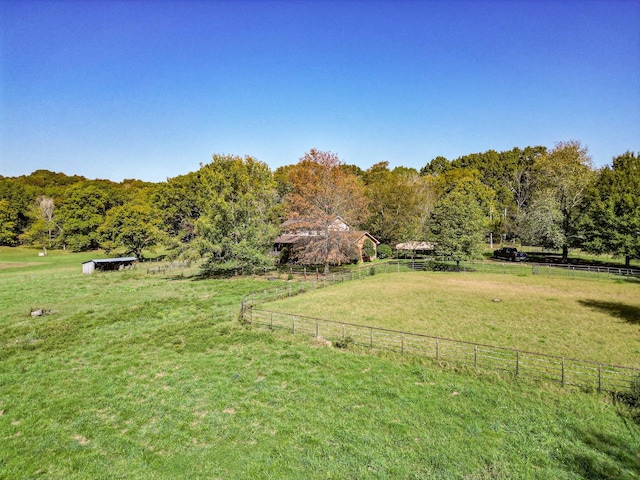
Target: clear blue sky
point(151, 89)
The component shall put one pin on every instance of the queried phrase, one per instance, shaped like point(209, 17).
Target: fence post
point(475, 354)
point(402, 343)
point(251, 315)
point(271, 321)
point(371, 336)
point(517, 362)
point(343, 331)
point(599, 378)
point(317, 335)
point(437, 349)
point(562, 381)
point(293, 325)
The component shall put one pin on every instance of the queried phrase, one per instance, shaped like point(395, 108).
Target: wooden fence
point(589, 375)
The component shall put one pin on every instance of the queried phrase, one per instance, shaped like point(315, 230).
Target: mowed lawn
point(142, 376)
point(578, 318)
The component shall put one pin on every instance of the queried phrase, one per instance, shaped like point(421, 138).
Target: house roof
point(353, 236)
point(415, 246)
point(309, 221)
point(287, 238)
point(358, 234)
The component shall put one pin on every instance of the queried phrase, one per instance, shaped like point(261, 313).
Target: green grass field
point(577, 318)
point(142, 376)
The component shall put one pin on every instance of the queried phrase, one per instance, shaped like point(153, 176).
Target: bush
point(631, 399)
point(284, 256)
point(344, 342)
point(368, 249)
point(384, 251)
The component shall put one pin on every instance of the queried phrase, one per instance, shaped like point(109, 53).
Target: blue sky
point(151, 89)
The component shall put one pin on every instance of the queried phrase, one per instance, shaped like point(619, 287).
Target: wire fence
point(527, 268)
point(303, 280)
point(566, 371)
point(588, 375)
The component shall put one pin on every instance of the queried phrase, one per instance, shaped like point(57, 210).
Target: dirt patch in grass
point(18, 264)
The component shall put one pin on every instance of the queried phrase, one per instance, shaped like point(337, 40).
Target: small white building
point(103, 264)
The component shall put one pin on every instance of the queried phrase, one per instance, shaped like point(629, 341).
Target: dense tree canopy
point(237, 214)
point(228, 211)
point(83, 212)
point(564, 176)
point(612, 223)
point(400, 203)
point(321, 190)
point(134, 226)
point(458, 224)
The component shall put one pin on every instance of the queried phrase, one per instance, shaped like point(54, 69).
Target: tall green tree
point(17, 211)
point(459, 224)
point(400, 203)
point(180, 201)
point(542, 222)
point(612, 223)
point(436, 166)
point(84, 210)
point(8, 220)
point(237, 222)
point(564, 174)
point(132, 227)
point(43, 230)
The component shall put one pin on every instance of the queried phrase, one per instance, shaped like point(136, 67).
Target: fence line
point(313, 280)
point(586, 374)
point(533, 268)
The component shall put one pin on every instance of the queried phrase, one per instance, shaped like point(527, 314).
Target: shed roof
point(415, 246)
point(112, 260)
point(287, 238)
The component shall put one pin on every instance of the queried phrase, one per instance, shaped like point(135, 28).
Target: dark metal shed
point(103, 264)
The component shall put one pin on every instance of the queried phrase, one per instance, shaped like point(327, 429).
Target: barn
point(104, 264)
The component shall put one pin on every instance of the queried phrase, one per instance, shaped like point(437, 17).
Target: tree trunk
point(627, 261)
point(565, 253)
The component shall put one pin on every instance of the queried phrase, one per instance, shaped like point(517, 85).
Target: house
point(297, 230)
point(103, 264)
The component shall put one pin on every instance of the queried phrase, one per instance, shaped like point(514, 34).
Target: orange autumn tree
point(322, 189)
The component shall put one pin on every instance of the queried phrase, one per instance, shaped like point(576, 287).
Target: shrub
point(631, 399)
point(384, 251)
point(344, 342)
point(284, 256)
point(368, 249)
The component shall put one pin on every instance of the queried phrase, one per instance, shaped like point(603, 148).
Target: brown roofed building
point(300, 234)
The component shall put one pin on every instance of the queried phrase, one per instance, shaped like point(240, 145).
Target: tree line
point(228, 212)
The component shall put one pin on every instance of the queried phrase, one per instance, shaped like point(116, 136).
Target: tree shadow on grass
point(601, 455)
point(628, 313)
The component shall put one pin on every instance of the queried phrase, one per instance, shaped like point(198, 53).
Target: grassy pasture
point(151, 377)
point(584, 319)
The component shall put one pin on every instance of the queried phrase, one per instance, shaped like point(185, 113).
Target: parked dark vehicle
point(510, 253)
